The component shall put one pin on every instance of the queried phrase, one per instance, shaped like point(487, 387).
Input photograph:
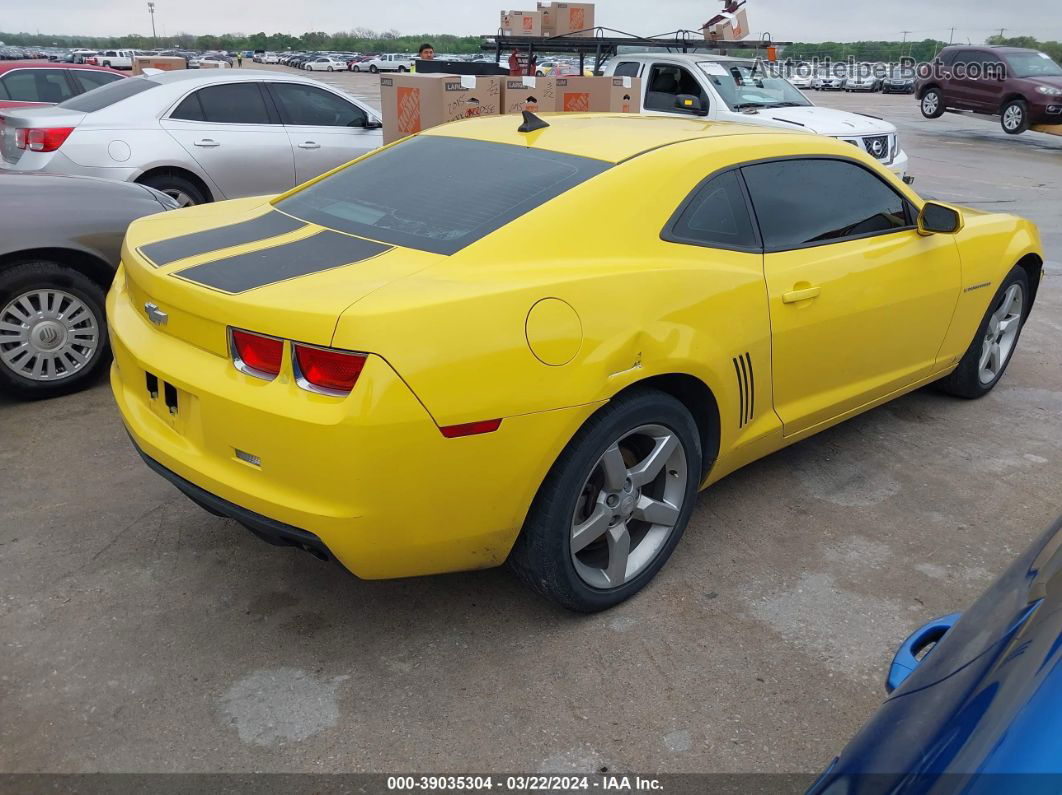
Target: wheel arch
point(90, 265)
point(1010, 97)
point(923, 89)
point(178, 171)
point(1033, 265)
point(698, 399)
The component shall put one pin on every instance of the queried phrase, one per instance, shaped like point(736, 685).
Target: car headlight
point(1051, 92)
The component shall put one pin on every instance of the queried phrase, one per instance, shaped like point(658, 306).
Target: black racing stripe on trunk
point(264, 226)
point(320, 252)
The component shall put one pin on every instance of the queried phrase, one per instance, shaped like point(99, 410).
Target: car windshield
point(1033, 64)
point(105, 96)
point(743, 86)
point(439, 194)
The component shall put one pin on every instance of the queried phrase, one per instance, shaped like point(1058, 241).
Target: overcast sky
point(794, 20)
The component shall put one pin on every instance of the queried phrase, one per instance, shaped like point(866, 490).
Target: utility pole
point(951, 37)
point(903, 44)
point(1001, 32)
point(151, 10)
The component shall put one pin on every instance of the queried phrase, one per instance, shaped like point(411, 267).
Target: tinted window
point(88, 79)
point(189, 109)
point(1032, 64)
point(234, 103)
point(809, 202)
point(300, 104)
point(439, 194)
point(666, 82)
point(716, 215)
point(105, 96)
point(37, 85)
point(628, 69)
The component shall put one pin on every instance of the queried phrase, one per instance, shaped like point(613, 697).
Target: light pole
point(151, 10)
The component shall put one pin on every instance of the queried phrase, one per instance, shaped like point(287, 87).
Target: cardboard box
point(547, 19)
point(166, 63)
point(598, 94)
point(571, 18)
point(734, 27)
point(536, 94)
point(521, 23)
point(415, 102)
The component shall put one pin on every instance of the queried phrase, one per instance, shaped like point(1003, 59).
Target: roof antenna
point(531, 123)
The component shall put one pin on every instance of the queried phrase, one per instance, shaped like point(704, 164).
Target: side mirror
point(939, 219)
point(690, 104)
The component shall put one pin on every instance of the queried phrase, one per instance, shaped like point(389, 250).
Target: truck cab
point(721, 88)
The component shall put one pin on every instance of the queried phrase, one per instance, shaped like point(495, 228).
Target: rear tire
point(983, 364)
point(932, 104)
point(61, 312)
point(1014, 118)
point(599, 517)
point(186, 192)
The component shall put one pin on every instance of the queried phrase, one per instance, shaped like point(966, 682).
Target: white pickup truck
point(721, 88)
point(391, 62)
point(116, 59)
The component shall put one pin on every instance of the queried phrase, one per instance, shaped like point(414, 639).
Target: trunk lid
point(35, 117)
point(244, 264)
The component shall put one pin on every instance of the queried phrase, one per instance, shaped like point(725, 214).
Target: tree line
point(367, 40)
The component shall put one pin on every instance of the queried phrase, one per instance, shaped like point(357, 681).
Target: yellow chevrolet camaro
point(484, 344)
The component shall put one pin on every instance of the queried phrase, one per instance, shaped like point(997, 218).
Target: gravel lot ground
point(139, 633)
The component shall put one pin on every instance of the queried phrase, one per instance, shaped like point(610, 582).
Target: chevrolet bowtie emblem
point(154, 314)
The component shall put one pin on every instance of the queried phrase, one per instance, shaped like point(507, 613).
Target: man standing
point(425, 53)
point(239, 59)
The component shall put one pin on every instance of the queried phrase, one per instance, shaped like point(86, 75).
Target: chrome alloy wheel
point(930, 103)
point(1001, 334)
point(1013, 117)
point(628, 506)
point(47, 335)
point(179, 196)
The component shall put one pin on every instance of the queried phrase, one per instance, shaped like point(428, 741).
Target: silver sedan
point(197, 136)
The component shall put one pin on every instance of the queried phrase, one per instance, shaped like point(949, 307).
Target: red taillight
point(261, 355)
point(470, 428)
point(41, 140)
point(335, 371)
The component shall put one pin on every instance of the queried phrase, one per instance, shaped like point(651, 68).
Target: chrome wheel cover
point(628, 506)
point(47, 335)
point(1001, 335)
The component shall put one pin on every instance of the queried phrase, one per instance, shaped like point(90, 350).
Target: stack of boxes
point(415, 102)
point(556, 19)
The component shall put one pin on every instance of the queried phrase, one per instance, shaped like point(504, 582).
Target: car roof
point(6, 66)
point(223, 75)
point(687, 57)
point(612, 137)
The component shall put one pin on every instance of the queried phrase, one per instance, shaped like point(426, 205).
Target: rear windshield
point(105, 96)
point(439, 194)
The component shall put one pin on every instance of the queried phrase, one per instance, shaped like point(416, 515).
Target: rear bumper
point(369, 475)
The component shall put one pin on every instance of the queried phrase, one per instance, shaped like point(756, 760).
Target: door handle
point(795, 296)
point(309, 145)
point(207, 142)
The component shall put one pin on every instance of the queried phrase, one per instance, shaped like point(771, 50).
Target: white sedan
point(324, 63)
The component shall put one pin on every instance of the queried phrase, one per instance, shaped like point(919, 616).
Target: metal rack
point(603, 43)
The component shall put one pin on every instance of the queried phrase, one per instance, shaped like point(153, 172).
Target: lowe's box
point(415, 102)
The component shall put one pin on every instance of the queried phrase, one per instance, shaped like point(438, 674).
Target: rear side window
point(105, 96)
point(627, 69)
point(234, 103)
point(808, 202)
point(439, 194)
point(87, 79)
point(307, 105)
point(37, 85)
point(716, 215)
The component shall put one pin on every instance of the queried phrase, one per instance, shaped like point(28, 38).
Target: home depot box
point(163, 62)
point(521, 23)
point(734, 27)
point(415, 102)
point(547, 19)
point(597, 94)
point(570, 18)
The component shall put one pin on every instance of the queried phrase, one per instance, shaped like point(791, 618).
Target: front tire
point(932, 104)
point(53, 330)
point(987, 358)
point(614, 506)
point(374, 69)
point(1015, 117)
